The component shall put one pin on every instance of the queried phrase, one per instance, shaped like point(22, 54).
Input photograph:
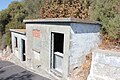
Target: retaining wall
point(105, 65)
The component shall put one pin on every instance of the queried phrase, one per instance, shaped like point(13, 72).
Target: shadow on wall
point(85, 28)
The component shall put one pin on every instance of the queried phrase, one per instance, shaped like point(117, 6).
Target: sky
point(4, 4)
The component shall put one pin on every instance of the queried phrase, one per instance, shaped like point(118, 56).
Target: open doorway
point(16, 42)
point(23, 50)
point(57, 51)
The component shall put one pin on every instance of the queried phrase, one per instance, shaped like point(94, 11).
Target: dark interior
point(58, 42)
point(16, 42)
point(23, 50)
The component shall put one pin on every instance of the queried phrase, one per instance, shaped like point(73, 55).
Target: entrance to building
point(23, 50)
point(57, 51)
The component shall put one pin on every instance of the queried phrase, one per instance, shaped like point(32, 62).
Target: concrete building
point(19, 43)
point(57, 45)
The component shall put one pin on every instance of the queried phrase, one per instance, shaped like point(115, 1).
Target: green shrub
point(108, 12)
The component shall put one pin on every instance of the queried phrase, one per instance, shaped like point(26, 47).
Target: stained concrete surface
point(10, 71)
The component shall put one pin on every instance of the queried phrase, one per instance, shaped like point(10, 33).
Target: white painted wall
point(17, 52)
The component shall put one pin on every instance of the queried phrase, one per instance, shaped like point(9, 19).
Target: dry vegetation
point(105, 11)
point(89, 9)
point(65, 9)
point(82, 72)
point(110, 44)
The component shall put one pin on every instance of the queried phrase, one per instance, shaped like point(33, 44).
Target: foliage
point(65, 9)
point(33, 8)
point(4, 19)
point(108, 12)
point(11, 17)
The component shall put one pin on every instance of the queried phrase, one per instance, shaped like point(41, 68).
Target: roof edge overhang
point(18, 31)
point(61, 20)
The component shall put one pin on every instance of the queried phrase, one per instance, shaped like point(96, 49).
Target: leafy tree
point(10, 18)
point(33, 7)
point(108, 12)
point(4, 19)
point(17, 11)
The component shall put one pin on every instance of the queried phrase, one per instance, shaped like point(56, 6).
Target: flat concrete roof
point(21, 31)
point(60, 20)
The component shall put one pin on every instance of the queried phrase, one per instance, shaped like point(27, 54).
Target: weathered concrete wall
point(105, 65)
point(84, 37)
point(79, 39)
point(43, 57)
point(17, 51)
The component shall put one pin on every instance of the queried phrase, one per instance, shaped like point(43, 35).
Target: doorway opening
point(16, 42)
point(58, 42)
point(23, 50)
point(57, 51)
